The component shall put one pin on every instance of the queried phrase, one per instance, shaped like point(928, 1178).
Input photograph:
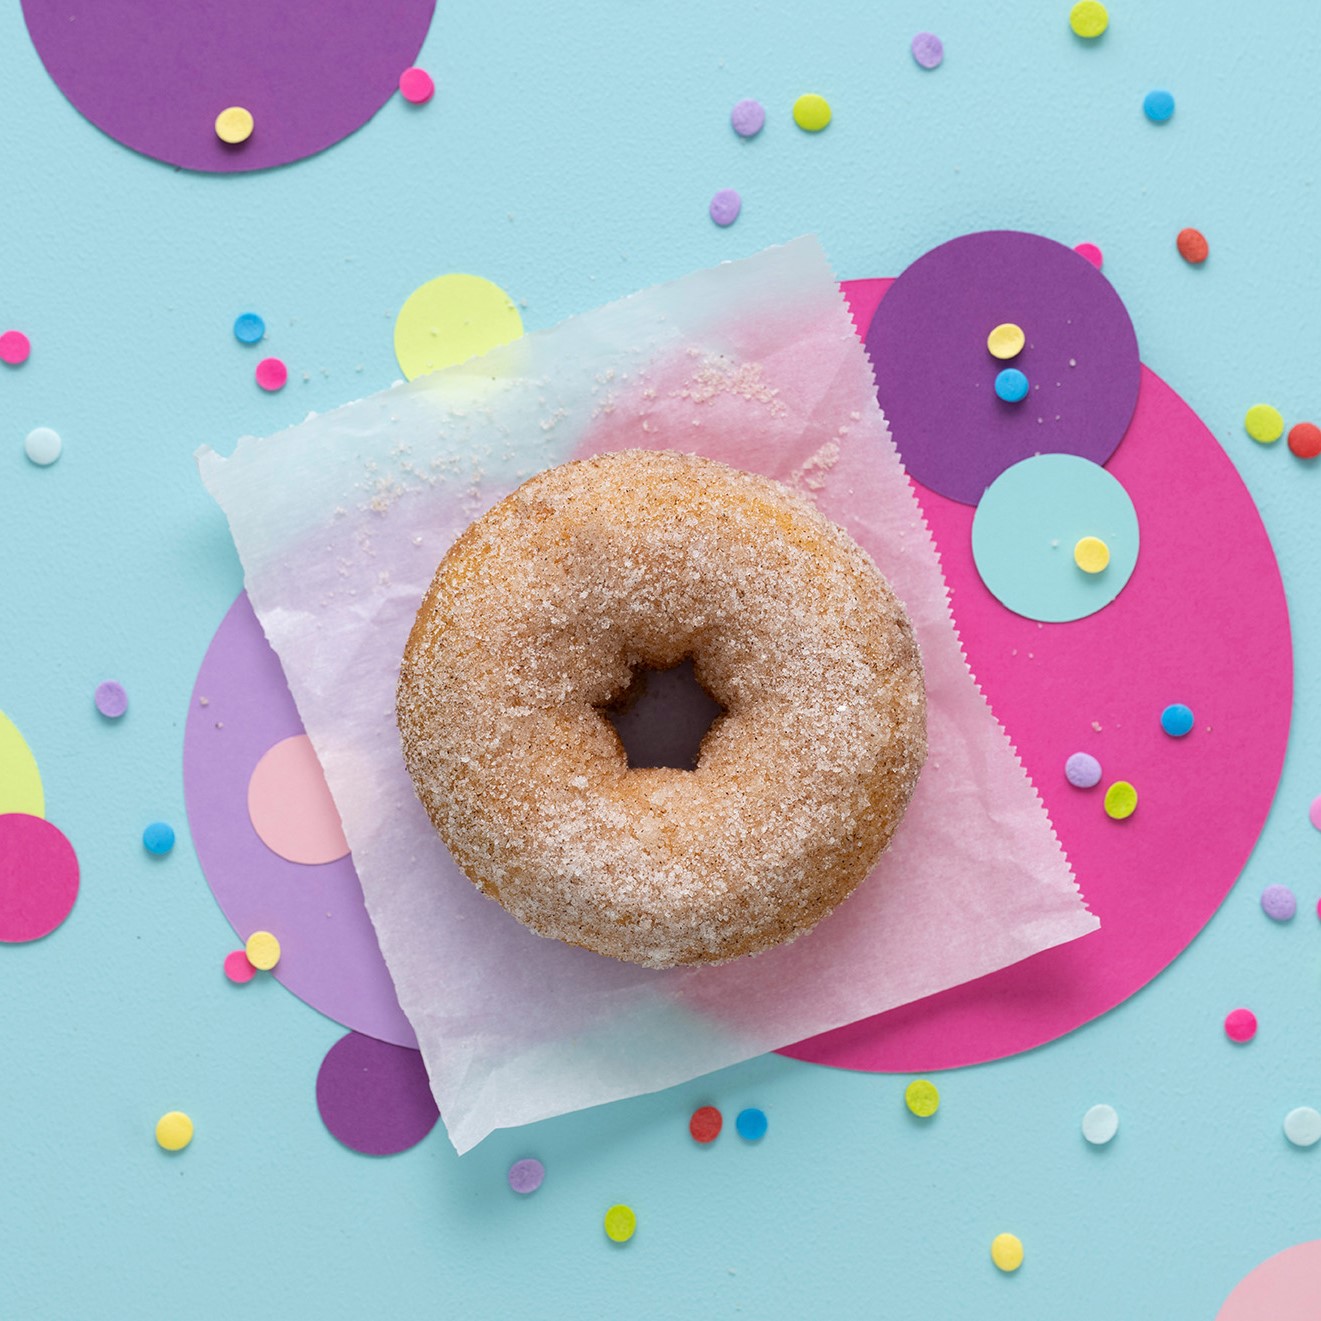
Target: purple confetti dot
point(525, 1176)
point(928, 49)
point(373, 1096)
point(111, 699)
point(725, 206)
point(1083, 771)
point(1278, 903)
point(748, 117)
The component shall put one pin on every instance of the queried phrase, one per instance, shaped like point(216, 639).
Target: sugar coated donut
point(535, 621)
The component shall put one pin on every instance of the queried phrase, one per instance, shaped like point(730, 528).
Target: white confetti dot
point(43, 446)
point(1100, 1124)
point(1302, 1126)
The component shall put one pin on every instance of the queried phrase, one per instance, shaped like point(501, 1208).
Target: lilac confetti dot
point(111, 699)
point(928, 49)
point(525, 1176)
point(725, 206)
point(1278, 903)
point(1083, 771)
point(748, 117)
point(374, 1096)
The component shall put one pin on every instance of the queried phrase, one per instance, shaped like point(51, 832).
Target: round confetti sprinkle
point(526, 1176)
point(158, 838)
point(1091, 554)
point(373, 1096)
point(1091, 253)
point(174, 1131)
point(922, 1098)
point(1240, 1025)
point(43, 446)
point(451, 319)
point(249, 328)
point(1303, 1126)
point(620, 1223)
point(1083, 771)
point(14, 347)
point(234, 125)
point(1007, 1252)
point(38, 877)
point(751, 1124)
point(1192, 245)
point(416, 85)
point(1121, 800)
point(928, 50)
point(1100, 1124)
point(1314, 812)
point(290, 806)
point(725, 206)
point(237, 967)
point(1264, 424)
point(271, 374)
point(111, 699)
point(705, 1124)
point(262, 950)
point(748, 118)
point(811, 112)
point(1088, 19)
point(1305, 440)
point(1006, 341)
point(1011, 385)
point(1278, 903)
point(1158, 105)
point(21, 790)
point(1177, 720)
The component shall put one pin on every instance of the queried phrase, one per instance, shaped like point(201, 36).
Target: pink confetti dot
point(415, 85)
point(290, 806)
point(38, 877)
point(1091, 252)
point(1240, 1025)
point(1314, 812)
point(14, 347)
point(237, 967)
point(271, 374)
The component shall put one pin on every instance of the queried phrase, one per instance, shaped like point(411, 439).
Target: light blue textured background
point(569, 156)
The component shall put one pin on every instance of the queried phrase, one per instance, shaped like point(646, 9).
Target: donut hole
point(663, 716)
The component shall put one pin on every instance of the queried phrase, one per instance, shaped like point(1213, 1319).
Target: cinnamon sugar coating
point(536, 618)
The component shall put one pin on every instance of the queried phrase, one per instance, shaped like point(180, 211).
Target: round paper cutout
point(1285, 1287)
point(374, 1097)
point(290, 806)
point(20, 781)
point(38, 877)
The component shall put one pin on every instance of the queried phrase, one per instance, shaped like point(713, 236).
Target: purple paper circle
point(111, 699)
point(748, 118)
point(154, 74)
point(374, 1097)
point(328, 951)
point(1278, 903)
point(525, 1176)
point(928, 49)
point(725, 206)
point(935, 379)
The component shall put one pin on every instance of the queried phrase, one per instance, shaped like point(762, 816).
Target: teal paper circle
point(1029, 520)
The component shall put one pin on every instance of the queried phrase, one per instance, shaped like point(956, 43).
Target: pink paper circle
point(416, 85)
point(290, 806)
point(237, 967)
point(1091, 252)
point(1183, 624)
point(14, 347)
point(271, 374)
point(1284, 1287)
point(1314, 812)
point(154, 74)
point(374, 1097)
point(38, 877)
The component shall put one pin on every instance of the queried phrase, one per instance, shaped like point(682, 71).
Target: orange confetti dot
point(1193, 247)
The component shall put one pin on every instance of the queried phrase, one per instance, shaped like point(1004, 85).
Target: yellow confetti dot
point(1264, 423)
point(811, 112)
point(451, 319)
point(234, 125)
point(1007, 1251)
point(1121, 800)
point(174, 1131)
point(1006, 341)
point(263, 950)
point(1091, 554)
point(620, 1222)
point(1088, 19)
point(922, 1098)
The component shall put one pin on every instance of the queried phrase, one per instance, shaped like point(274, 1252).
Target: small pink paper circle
point(1090, 252)
point(271, 374)
point(1284, 1287)
point(38, 877)
point(415, 85)
point(1240, 1025)
point(1314, 812)
point(290, 806)
point(237, 967)
point(14, 347)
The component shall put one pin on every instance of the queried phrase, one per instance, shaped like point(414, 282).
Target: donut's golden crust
point(535, 619)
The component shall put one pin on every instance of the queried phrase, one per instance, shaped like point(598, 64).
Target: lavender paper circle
point(374, 1097)
point(328, 951)
point(935, 380)
point(154, 74)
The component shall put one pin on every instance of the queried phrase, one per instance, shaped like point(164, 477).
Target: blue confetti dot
point(1011, 385)
point(1158, 105)
point(158, 838)
point(1176, 720)
point(751, 1124)
point(249, 328)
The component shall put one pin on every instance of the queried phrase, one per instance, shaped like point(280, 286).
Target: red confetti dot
point(271, 374)
point(1240, 1025)
point(1091, 252)
point(706, 1123)
point(14, 347)
point(1305, 440)
point(415, 85)
point(1192, 245)
point(237, 967)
